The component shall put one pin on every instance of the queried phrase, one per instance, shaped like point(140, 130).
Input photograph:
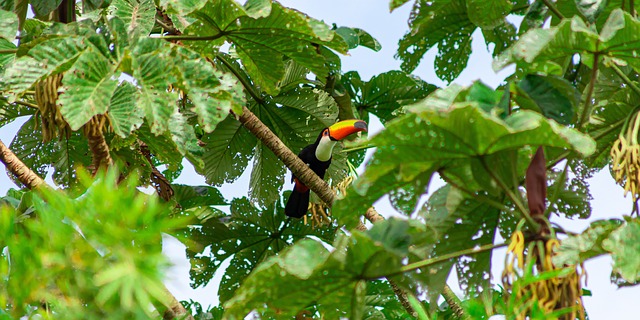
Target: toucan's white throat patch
point(325, 148)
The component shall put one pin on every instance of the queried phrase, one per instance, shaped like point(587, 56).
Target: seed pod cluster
point(625, 157)
point(548, 294)
point(46, 95)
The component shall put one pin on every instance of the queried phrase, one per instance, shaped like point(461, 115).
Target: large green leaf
point(249, 236)
point(212, 93)
point(442, 23)
point(89, 86)
point(386, 92)
point(8, 25)
point(624, 245)
point(619, 38)
point(308, 273)
point(124, 114)
point(150, 63)
point(451, 138)
point(227, 151)
point(552, 96)
point(138, 15)
point(488, 14)
point(42, 8)
point(576, 249)
point(28, 146)
point(51, 56)
point(12, 111)
point(262, 43)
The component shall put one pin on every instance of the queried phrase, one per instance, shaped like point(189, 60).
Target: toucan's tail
point(297, 204)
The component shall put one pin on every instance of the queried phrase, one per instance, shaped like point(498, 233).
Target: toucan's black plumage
point(318, 157)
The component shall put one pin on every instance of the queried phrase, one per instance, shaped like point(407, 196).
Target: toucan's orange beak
point(342, 129)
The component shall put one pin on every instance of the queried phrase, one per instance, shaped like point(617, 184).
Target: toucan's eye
point(325, 132)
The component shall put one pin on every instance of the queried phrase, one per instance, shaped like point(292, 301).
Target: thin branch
point(553, 9)
point(454, 302)
point(27, 104)
point(457, 254)
point(299, 169)
point(192, 37)
point(512, 196)
point(588, 106)
point(626, 79)
point(176, 310)
point(8, 51)
point(25, 175)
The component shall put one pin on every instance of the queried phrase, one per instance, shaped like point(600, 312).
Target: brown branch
point(299, 169)
point(158, 180)
point(176, 310)
point(454, 302)
point(25, 175)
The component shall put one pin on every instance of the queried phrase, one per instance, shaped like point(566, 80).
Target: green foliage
point(172, 77)
point(93, 266)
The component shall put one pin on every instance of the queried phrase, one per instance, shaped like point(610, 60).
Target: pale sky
point(608, 302)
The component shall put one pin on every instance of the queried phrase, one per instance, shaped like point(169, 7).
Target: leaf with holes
point(88, 88)
point(250, 235)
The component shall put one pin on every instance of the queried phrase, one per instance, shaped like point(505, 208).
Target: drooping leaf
point(88, 88)
point(250, 235)
point(624, 245)
point(576, 249)
point(386, 92)
point(138, 15)
point(49, 57)
point(261, 43)
point(8, 25)
point(124, 114)
point(149, 65)
point(42, 8)
point(267, 176)
point(442, 23)
point(355, 37)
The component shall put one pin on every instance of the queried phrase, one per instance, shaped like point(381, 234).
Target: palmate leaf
point(212, 93)
point(624, 246)
point(618, 38)
point(307, 273)
point(227, 152)
point(386, 92)
point(88, 88)
point(439, 22)
point(488, 14)
point(42, 8)
point(250, 235)
point(552, 96)
point(448, 137)
point(11, 111)
point(456, 223)
point(28, 147)
point(576, 249)
point(262, 43)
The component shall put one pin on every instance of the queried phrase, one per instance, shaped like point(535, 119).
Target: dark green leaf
point(554, 97)
point(488, 14)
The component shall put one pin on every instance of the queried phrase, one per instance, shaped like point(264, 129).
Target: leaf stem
point(588, 106)
point(553, 9)
point(481, 198)
point(626, 79)
point(187, 37)
point(512, 196)
point(26, 104)
point(245, 83)
point(7, 51)
point(358, 148)
point(432, 261)
point(454, 302)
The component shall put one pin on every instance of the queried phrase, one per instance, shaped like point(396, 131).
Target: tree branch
point(176, 310)
point(553, 9)
point(290, 159)
point(25, 175)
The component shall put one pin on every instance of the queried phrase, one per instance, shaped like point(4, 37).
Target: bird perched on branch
point(318, 157)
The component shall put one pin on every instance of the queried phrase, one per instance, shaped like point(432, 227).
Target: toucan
point(318, 157)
